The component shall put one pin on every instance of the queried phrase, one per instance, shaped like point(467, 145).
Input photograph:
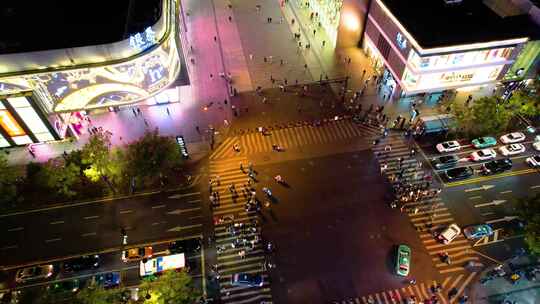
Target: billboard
point(162, 263)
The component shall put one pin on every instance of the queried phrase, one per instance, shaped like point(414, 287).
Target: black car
point(185, 246)
point(84, 262)
point(458, 173)
point(497, 166)
point(445, 162)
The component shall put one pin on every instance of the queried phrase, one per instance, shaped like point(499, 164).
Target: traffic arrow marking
point(503, 219)
point(180, 211)
point(494, 203)
point(484, 187)
point(180, 228)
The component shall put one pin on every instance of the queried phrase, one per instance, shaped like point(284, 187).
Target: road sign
point(182, 144)
point(484, 187)
point(494, 203)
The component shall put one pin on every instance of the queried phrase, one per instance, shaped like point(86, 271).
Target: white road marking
point(159, 206)
point(475, 197)
point(488, 213)
point(504, 192)
point(10, 247)
point(53, 240)
point(91, 217)
point(15, 229)
point(125, 211)
point(88, 234)
point(56, 222)
point(534, 187)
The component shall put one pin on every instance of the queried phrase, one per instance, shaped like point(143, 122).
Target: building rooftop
point(433, 23)
point(57, 24)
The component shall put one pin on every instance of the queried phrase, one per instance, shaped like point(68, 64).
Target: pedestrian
point(215, 38)
point(264, 59)
point(387, 148)
point(250, 56)
point(349, 60)
point(314, 32)
point(305, 66)
point(134, 113)
point(146, 122)
point(270, 58)
point(292, 21)
point(198, 130)
point(230, 18)
point(211, 76)
point(258, 7)
point(281, 62)
point(323, 42)
point(139, 111)
point(168, 112)
point(280, 20)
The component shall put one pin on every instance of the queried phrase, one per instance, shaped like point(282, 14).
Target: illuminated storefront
point(121, 73)
point(328, 14)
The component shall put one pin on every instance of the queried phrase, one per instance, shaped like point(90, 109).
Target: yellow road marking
point(486, 178)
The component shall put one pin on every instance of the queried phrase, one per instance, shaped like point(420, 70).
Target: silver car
point(34, 273)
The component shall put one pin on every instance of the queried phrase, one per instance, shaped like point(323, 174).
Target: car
point(185, 246)
point(247, 279)
point(403, 260)
point(477, 231)
point(81, 263)
point(533, 161)
point(513, 137)
point(137, 254)
point(66, 286)
point(512, 149)
point(449, 234)
point(448, 146)
point(536, 145)
point(496, 166)
point(445, 162)
point(106, 280)
point(484, 142)
point(458, 173)
point(484, 154)
point(34, 273)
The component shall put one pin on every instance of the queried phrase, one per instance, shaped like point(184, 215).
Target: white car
point(484, 154)
point(536, 146)
point(513, 137)
point(448, 146)
point(449, 234)
point(512, 149)
point(534, 161)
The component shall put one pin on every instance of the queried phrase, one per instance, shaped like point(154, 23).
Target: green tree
point(8, 179)
point(529, 210)
point(100, 162)
point(525, 103)
point(60, 177)
point(99, 295)
point(152, 157)
point(488, 115)
point(170, 287)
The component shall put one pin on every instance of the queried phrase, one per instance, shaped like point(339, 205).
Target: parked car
point(534, 161)
point(513, 137)
point(445, 162)
point(484, 142)
point(403, 260)
point(496, 166)
point(137, 254)
point(536, 145)
point(34, 273)
point(484, 154)
point(477, 231)
point(458, 173)
point(81, 263)
point(449, 234)
point(67, 286)
point(247, 279)
point(448, 146)
point(513, 149)
point(106, 280)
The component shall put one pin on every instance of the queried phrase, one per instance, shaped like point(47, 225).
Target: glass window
point(22, 140)
point(3, 142)
point(19, 102)
point(32, 120)
point(44, 136)
point(10, 125)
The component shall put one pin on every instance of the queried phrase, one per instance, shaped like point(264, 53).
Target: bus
point(162, 263)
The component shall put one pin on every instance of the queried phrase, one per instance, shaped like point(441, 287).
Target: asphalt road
point(54, 233)
point(334, 231)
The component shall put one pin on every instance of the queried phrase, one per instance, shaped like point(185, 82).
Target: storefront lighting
point(350, 20)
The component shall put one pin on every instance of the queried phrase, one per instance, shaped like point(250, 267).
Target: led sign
point(182, 144)
point(10, 125)
point(401, 41)
point(141, 41)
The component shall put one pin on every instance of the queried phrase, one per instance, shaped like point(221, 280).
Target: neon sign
point(142, 41)
point(401, 41)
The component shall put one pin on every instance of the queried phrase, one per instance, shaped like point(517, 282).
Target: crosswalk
point(292, 136)
point(427, 215)
point(229, 259)
point(421, 291)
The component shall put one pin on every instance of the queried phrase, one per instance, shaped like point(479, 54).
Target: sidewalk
point(500, 288)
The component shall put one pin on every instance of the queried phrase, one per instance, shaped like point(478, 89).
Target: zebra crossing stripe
point(378, 298)
point(384, 296)
point(465, 283)
point(454, 269)
point(364, 300)
point(227, 142)
point(424, 291)
point(418, 293)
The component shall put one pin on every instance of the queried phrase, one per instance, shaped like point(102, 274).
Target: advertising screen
point(10, 125)
point(162, 263)
point(458, 59)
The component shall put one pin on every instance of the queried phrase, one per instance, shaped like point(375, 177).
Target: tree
point(525, 104)
point(152, 156)
point(59, 177)
point(529, 210)
point(170, 287)
point(8, 179)
point(488, 115)
point(99, 295)
point(100, 162)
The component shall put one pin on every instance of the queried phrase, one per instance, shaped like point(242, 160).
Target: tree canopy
point(8, 178)
point(170, 287)
point(529, 210)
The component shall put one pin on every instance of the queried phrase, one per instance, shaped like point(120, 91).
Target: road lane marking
point(180, 228)
point(486, 178)
point(10, 247)
point(175, 196)
point(53, 240)
point(505, 192)
point(56, 222)
point(488, 213)
point(91, 217)
point(475, 197)
point(195, 217)
point(16, 229)
point(125, 211)
point(88, 234)
point(159, 206)
point(534, 187)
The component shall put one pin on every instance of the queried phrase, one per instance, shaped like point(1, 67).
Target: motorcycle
point(277, 148)
point(267, 191)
